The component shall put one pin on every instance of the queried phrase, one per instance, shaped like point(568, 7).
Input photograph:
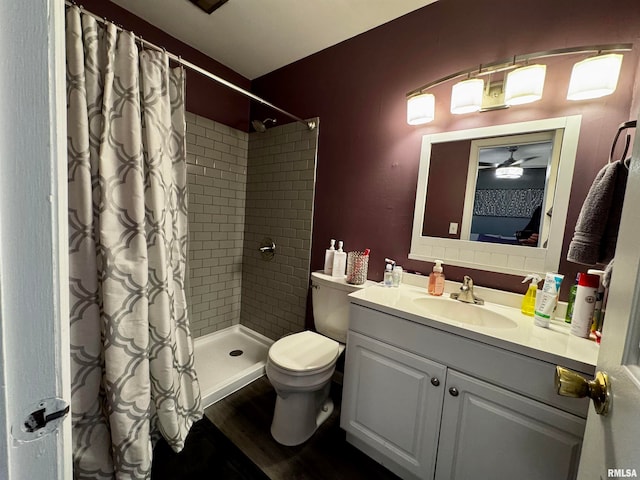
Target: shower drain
point(236, 353)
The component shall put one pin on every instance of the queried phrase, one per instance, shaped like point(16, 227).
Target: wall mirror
point(495, 198)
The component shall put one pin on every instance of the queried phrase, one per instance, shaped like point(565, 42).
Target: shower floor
point(228, 360)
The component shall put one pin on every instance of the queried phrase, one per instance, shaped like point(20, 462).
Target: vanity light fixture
point(594, 77)
point(524, 83)
point(421, 109)
point(466, 96)
point(509, 172)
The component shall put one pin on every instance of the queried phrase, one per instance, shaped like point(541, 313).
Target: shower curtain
point(132, 361)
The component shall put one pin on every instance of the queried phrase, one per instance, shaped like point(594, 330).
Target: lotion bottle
point(529, 300)
point(339, 262)
point(586, 295)
point(328, 257)
point(436, 280)
point(547, 299)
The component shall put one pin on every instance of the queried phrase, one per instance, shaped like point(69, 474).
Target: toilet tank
point(331, 304)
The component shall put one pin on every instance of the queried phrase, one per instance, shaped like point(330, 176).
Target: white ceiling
point(255, 37)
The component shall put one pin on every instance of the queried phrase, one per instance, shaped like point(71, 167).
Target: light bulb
point(421, 109)
point(466, 96)
point(594, 77)
point(525, 84)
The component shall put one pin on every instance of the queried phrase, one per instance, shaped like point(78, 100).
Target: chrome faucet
point(466, 294)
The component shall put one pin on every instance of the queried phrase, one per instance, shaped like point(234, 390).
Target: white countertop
point(554, 344)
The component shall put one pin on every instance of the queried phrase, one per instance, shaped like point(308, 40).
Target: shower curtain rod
point(176, 58)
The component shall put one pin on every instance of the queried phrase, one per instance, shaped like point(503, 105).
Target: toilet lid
point(304, 351)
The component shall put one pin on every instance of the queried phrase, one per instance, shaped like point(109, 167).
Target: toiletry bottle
point(397, 275)
point(586, 294)
point(571, 302)
point(597, 309)
point(546, 299)
point(436, 280)
point(388, 275)
point(339, 262)
point(529, 300)
point(603, 311)
point(328, 257)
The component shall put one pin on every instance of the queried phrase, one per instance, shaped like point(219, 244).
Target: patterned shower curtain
point(131, 351)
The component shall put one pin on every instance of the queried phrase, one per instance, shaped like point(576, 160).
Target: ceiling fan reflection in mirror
point(511, 167)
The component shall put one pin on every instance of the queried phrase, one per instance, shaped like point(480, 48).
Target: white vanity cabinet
point(393, 403)
point(427, 403)
point(487, 432)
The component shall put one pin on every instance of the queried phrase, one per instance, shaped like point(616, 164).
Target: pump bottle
point(339, 261)
point(328, 257)
point(388, 272)
point(436, 280)
point(388, 275)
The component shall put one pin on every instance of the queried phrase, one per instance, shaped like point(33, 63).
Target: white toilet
point(300, 366)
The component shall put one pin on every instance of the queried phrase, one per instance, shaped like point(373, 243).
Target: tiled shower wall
point(216, 178)
point(280, 188)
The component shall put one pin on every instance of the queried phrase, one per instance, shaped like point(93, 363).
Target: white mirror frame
point(512, 259)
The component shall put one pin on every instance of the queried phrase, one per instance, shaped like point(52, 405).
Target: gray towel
point(596, 234)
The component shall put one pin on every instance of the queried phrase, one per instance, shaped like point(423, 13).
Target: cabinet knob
point(572, 384)
point(453, 391)
point(435, 382)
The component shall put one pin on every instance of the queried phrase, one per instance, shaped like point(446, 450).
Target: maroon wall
point(445, 200)
point(368, 155)
point(204, 96)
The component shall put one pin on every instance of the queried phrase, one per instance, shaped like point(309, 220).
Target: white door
point(34, 342)
point(611, 446)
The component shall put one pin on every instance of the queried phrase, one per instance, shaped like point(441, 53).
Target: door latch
point(40, 419)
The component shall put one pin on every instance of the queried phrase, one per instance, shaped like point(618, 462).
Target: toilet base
point(298, 416)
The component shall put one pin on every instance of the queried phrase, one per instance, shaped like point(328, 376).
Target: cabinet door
point(392, 402)
point(490, 433)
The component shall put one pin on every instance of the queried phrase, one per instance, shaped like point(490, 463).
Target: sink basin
point(460, 312)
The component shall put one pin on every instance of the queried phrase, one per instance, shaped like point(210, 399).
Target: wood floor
point(245, 418)
point(207, 455)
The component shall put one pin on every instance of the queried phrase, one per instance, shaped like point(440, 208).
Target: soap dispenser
point(339, 262)
point(388, 275)
point(436, 280)
point(529, 300)
point(328, 257)
point(388, 272)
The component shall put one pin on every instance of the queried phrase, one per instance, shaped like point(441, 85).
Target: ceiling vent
point(209, 6)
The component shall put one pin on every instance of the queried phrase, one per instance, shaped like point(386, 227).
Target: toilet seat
point(304, 352)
